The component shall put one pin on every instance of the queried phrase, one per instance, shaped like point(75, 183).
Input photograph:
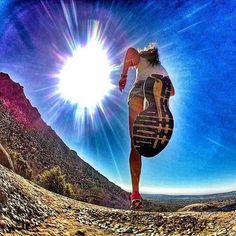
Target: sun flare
point(85, 77)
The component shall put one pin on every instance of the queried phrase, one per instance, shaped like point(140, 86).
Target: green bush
point(55, 181)
point(21, 166)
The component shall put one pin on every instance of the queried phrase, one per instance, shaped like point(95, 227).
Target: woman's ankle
point(135, 195)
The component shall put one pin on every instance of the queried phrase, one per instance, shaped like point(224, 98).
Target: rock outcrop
point(5, 159)
point(13, 98)
point(35, 147)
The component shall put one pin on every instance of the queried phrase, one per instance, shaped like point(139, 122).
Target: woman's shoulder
point(133, 55)
point(162, 69)
point(132, 51)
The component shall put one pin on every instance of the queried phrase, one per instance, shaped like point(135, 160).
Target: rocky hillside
point(27, 209)
point(35, 147)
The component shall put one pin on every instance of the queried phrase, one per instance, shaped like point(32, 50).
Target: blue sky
point(197, 47)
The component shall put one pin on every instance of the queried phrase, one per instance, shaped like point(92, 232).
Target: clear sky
point(196, 41)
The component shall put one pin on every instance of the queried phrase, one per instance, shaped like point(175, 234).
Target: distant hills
point(219, 201)
point(206, 197)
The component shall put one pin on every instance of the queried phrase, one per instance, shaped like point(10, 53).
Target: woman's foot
point(153, 127)
point(136, 201)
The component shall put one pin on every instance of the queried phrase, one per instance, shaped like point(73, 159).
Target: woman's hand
point(122, 82)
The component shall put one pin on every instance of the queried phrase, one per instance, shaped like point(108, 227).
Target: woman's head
point(151, 54)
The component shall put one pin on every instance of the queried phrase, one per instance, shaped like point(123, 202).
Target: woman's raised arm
point(132, 58)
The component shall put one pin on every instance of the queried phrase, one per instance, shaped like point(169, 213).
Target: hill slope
point(35, 147)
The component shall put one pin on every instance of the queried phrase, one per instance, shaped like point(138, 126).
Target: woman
point(146, 63)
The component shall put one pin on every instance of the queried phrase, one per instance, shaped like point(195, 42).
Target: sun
point(85, 77)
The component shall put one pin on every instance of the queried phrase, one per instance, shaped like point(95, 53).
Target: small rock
point(2, 224)
point(3, 197)
point(128, 230)
point(79, 233)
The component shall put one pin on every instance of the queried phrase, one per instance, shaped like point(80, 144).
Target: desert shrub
point(55, 181)
point(21, 166)
point(69, 190)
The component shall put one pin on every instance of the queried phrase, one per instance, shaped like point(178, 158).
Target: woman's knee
point(136, 104)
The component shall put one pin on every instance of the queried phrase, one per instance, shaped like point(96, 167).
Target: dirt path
point(78, 218)
point(56, 215)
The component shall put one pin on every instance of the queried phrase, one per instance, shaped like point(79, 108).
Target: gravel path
point(27, 209)
point(20, 206)
point(143, 223)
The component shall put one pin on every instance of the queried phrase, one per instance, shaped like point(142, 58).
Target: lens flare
point(84, 79)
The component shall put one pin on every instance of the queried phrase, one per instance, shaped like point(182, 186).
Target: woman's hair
point(151, 54)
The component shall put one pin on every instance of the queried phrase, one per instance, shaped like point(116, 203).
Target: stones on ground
point(132, 222)
point(19, 209)
point(23, 210)
point(3, 197)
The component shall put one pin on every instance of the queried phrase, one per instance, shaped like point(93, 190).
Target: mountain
point(206, 197)
point(35, 147)
point(27, 209)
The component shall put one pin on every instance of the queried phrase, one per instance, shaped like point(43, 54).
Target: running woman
point(146, 62)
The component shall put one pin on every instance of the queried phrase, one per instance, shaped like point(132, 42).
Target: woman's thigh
point(135, 107)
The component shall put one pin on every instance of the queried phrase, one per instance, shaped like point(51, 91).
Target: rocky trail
point(27, 209)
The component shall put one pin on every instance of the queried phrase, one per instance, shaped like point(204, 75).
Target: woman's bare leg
point(135, 107)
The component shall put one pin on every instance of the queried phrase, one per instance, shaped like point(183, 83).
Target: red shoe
point(136, 201)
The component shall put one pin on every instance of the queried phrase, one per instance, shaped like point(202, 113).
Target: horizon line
point(181, 191)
